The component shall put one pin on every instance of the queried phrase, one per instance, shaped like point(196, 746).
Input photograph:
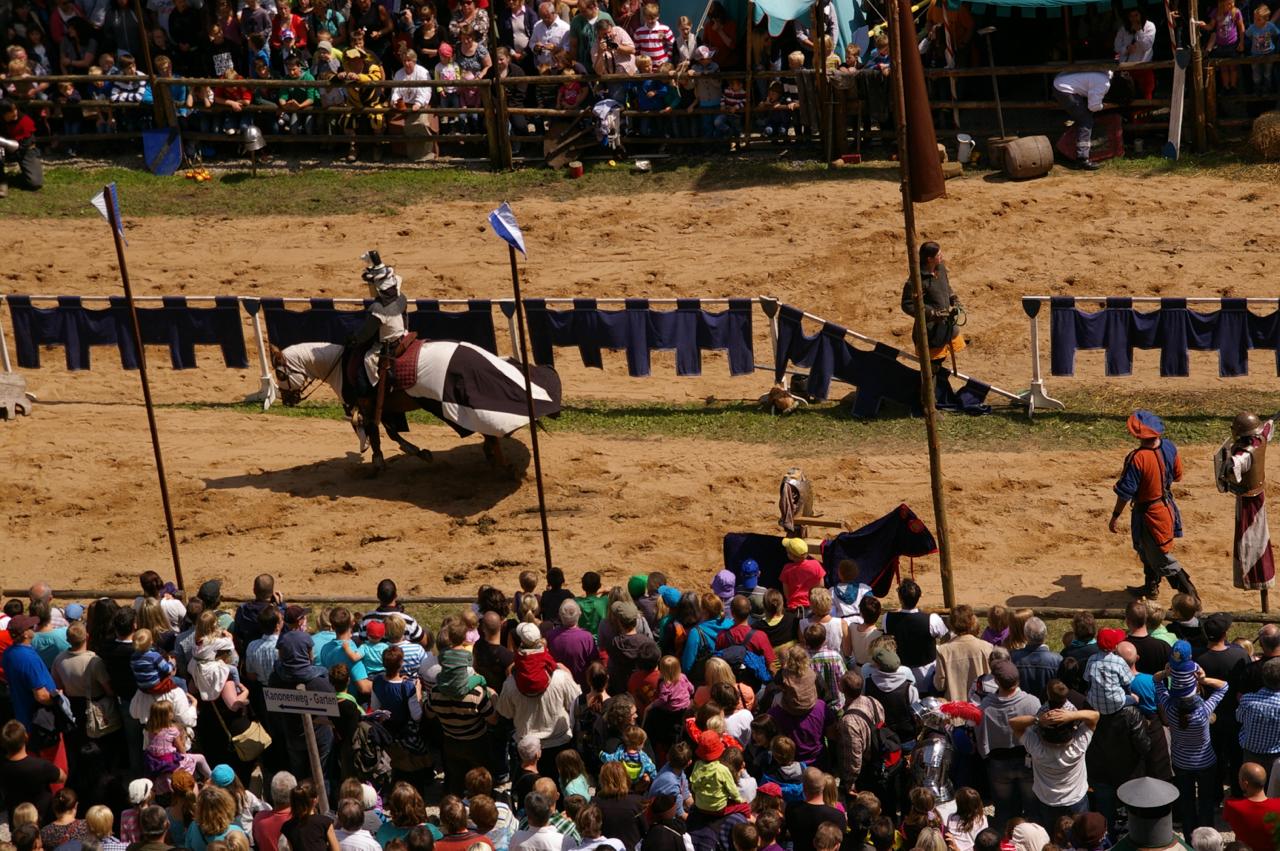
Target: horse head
point(289, 378)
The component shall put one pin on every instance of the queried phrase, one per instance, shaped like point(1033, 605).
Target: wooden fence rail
point(495, 110)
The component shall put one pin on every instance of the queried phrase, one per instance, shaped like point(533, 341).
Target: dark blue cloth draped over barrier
point(877, 547)
point(766, 550)
point(638, 330)
point(175, 324)
point(323, 322)
point(1118, 329)
point(877, 373)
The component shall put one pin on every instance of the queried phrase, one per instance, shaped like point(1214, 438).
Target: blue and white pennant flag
point(108, 196)
point(503, 222)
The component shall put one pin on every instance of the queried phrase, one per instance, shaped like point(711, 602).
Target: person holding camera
point(614, 53)
point(941, 306)
point(18, 144)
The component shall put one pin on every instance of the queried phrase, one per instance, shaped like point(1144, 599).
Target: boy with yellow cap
point(801, 575)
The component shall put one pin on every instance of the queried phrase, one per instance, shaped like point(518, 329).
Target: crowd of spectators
point(357, 42)
point(731, 717)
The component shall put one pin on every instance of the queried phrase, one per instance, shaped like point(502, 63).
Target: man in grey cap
point(628, 645)
point(1150, 805)
point(1005, 758)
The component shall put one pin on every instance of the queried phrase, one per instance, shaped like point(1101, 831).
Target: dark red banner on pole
point(925, 169)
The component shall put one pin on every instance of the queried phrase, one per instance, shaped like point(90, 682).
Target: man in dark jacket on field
point(941, 306)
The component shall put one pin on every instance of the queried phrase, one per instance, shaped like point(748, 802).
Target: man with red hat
point(1146, 481)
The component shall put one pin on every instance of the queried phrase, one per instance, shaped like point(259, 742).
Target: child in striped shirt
point(654, 38)
point(732, 103)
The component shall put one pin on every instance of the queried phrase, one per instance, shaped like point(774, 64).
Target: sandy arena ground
point(252, 493)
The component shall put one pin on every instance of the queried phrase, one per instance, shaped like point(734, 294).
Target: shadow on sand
point(1075, 595)
point(457, 482)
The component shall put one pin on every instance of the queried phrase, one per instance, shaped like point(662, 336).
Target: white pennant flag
point(100, 201)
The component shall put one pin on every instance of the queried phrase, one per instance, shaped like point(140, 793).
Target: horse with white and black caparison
point(471, 389)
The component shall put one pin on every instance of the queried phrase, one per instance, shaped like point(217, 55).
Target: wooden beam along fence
point(495, 113)
point(89, 594)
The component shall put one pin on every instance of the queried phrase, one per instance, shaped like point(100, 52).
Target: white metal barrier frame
point(268, 393)
point(1037, 396)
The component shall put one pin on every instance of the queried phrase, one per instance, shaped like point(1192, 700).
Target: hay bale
point(942, 153)
point(1265, 137)
point(950, 170)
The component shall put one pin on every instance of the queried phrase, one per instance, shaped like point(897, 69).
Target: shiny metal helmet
point(1245, 423)
point(252, 139)
point(929, 715)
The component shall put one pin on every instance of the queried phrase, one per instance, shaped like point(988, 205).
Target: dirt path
point(268, 493)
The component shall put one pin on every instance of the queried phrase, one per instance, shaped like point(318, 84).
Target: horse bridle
point(291, 396)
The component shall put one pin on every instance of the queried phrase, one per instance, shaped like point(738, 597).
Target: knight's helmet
point(380, 277)
point(931, 762)
point(1245, 424)
point(252, 139)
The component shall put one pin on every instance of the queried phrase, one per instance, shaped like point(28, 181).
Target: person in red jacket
point(17, 144)
point(1248, 815)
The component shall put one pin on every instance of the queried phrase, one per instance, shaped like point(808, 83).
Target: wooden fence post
point(502, 117)
point(491, 124)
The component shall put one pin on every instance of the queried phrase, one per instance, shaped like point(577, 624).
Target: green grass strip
point(279, 191)
point(1093, 420)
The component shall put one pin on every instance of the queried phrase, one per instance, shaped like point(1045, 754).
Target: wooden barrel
point(1030, 156)
point(996, 147)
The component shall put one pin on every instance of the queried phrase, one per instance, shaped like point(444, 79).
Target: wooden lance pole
point(927, 398)
point(528, 393)
point(113, 217)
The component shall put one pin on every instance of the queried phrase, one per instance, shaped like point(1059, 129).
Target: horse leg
point(375, 435)
point(496, 457)
point(407, 447)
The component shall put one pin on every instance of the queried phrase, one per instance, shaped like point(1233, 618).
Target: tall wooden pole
point(898, 43)
point(113, 218)
point(1197, 77)
point(528, 392)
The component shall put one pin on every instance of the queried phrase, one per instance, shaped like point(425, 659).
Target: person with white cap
point(140, 796)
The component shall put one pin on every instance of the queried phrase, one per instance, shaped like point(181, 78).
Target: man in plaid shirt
point(1259, 717)
point(1108, 675)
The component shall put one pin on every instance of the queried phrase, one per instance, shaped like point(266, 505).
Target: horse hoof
point(425, 455)
point(379, 464)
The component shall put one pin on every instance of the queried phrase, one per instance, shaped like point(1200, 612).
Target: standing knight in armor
point(934, 751)
point(385, 324)
point(1240, 469)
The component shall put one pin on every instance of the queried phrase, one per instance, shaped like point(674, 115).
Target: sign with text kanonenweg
point(300, 702)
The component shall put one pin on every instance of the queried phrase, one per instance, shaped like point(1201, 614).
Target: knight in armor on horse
point(1240, 469)
point(384, 327)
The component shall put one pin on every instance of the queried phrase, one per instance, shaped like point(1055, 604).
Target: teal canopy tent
point(849, 17)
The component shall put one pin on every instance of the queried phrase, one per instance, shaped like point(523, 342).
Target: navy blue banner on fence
point(323, 322)
point(473, 325)
point(78, 328)
point(638, 330)
point(1174, 329)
